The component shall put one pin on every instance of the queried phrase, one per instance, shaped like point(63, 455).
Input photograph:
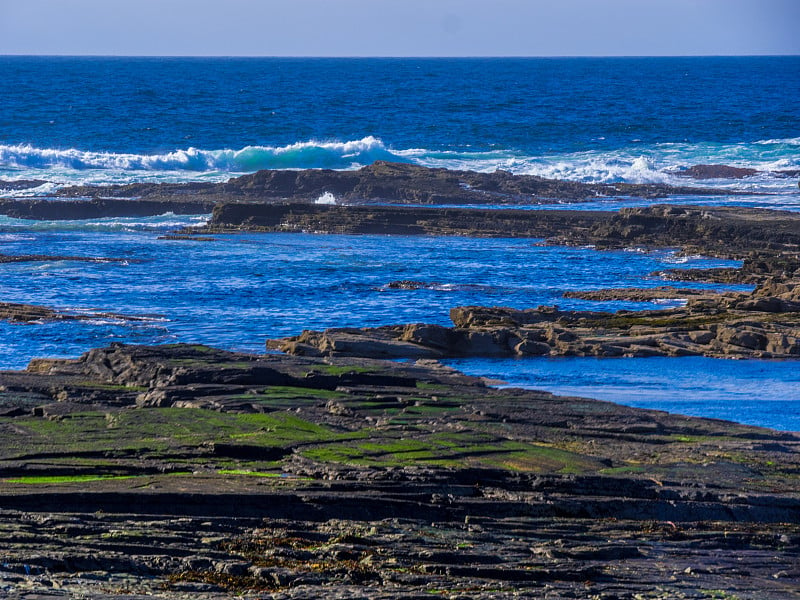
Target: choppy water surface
point(634, 120)
point(242, 289)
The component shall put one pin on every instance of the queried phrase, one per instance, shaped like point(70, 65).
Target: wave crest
point(301, 155)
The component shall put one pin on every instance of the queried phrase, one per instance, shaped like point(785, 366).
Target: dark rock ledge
point(71, 210)
point(380, 182)
point(189, 472)
point(729, 172)
point(723, 231)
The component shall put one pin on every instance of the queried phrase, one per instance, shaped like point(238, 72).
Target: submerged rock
point(716, 172)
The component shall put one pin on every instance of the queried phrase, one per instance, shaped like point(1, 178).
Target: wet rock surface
point(15, 258)
point(729, 172)
point(13, 311)
point(20, 184)
point(183, 471)
point(189, 472)
point(716, 172)
point(718, 230)
point(67, 210)
point(382, 181)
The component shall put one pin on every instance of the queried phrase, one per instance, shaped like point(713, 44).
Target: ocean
point(117, 120)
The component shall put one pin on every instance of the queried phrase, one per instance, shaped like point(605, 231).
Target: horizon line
point(391, 56)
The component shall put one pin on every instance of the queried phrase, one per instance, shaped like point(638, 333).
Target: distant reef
point(381, 182)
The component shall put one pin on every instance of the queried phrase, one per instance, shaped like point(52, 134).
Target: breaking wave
point(301, 155)
point(636, 163)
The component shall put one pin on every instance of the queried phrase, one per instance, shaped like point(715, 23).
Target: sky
point(400, 27)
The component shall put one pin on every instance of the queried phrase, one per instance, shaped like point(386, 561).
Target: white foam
point(638, 163)
point(326, 198)
point(311, 154)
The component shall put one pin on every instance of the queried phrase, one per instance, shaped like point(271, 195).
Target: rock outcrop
point(68, 210)
point(13, 311)
point(397, 183)
point(18, 312)
point(762, 324)
point(20, 184)
point(720, 230)
point(716, 172)
point(729, 172)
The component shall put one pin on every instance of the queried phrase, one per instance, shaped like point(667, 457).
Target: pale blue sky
point(400, 27)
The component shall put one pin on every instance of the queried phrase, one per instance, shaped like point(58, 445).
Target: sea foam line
point(300, 155)
point(636, 163)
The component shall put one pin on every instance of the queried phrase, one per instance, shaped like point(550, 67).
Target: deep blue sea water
point(104, 120)
point(603, 119)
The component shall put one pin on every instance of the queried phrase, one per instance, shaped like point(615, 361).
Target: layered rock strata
point(189, 472)
point(68, 210)
point(761, 324)
point(720, 230)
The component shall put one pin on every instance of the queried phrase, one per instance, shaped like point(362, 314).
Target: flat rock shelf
point(189, 472)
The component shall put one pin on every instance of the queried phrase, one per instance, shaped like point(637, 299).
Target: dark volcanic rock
point(412, 184)
point(381, 181)
point(141, 190)
point(53, 210)
point(716, 172)
point(20, 184)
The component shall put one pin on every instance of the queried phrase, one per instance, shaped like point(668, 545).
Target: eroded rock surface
point(189, 472)
point(763, 324)
point(13, 311)
point(388, 182)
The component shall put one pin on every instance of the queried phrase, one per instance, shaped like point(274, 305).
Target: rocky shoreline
point(722, 231)
point(184, 471)
point(764, 323)
point(189, 472)
point(397, 183)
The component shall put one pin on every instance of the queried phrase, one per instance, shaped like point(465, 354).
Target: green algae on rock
point(187, 471)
